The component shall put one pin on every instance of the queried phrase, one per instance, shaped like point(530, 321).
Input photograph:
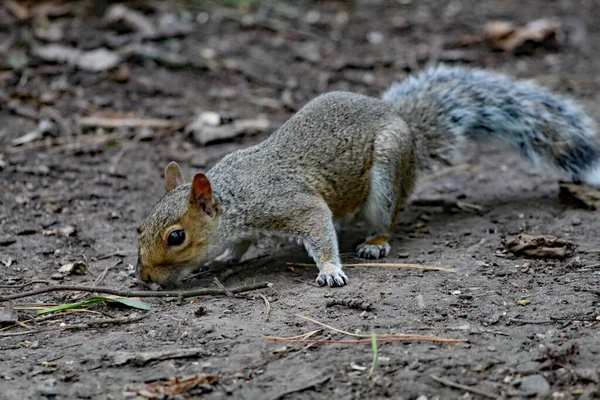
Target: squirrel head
point(177, 235)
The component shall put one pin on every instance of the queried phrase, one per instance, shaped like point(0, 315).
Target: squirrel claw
point(333, 278)
point(373, 251)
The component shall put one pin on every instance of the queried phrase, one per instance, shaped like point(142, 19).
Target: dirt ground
point(531, 325)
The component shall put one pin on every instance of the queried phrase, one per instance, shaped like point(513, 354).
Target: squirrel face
point(176, 237)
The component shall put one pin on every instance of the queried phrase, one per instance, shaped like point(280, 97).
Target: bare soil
point(526, 321)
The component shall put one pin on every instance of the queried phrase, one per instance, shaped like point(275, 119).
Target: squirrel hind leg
point(392, 177)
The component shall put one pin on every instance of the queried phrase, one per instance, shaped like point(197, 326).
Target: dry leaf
point(95, 60)
point(204, 130)
point(181, 387)
point(579, 196)
point(542, 246)
point(505, 36)
point(77, 268)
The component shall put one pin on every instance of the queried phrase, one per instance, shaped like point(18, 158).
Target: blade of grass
point(374, 349)
point(134, 303)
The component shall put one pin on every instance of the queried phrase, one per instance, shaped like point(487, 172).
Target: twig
point(103, 122)
point(23, 285)
point(65, 142)
point(45, 317)
point(452, 384)
point(133, 293)
point(448, 205)
point(528, 321)
point(89, 324)
point(267, 305)
point(383, 335)
point(388, 265)
point(101, 277)
point(358, 341)
point(218, 283)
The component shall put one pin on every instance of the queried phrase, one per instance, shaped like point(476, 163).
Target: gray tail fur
point(445, 106)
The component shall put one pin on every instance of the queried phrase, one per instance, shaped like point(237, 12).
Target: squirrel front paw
point(332, 275)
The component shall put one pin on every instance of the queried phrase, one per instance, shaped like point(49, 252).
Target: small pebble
point(403, 255)
point(57, 276)
point(375, 37)
point(534, 385)
point(227, 311)
point(47, 391)
point(575, 221)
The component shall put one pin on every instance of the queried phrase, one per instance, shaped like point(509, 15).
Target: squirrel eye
point(176, 237)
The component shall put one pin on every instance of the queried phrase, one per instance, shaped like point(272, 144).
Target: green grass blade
point(134, 303)
point(374, 350)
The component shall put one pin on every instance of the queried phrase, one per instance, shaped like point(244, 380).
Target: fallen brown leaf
point(505, 36)
point(173, 386)
point(579, 196)
point(542, 246)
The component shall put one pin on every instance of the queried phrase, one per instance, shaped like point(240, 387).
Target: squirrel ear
point(173, 176)
point(201, 194)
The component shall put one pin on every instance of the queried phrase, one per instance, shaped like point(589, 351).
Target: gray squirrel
point(344, 156)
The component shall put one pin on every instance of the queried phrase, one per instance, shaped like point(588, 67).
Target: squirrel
point(345, 156)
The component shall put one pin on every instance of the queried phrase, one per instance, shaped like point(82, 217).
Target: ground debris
point(542, 246)
point(579, 196)
point(533, 385)
point(8, 315)
point(206, 131)
point(505, 36)
point(185, 387)
point(557, 354)
point(121, 17)
point(97, 60)
point(75, 268)
point(122, 357)
point(350, 303)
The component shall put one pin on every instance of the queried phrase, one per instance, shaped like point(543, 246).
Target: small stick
point(218, 283)
point(358, 341)
point(101, 277)
point(388, 265)
point(448, 205)
point(89, 324)
point(103, 122)
point(452, 384)
point(267, 305)
point(383, 335)
point(135, 293)
point(21, 286)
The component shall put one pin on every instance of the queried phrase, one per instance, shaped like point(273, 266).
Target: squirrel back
point(445, 106)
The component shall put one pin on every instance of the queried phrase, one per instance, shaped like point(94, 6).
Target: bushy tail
point(444, 106)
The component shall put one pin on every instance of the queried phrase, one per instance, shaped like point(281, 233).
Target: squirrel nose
point(141, 274)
